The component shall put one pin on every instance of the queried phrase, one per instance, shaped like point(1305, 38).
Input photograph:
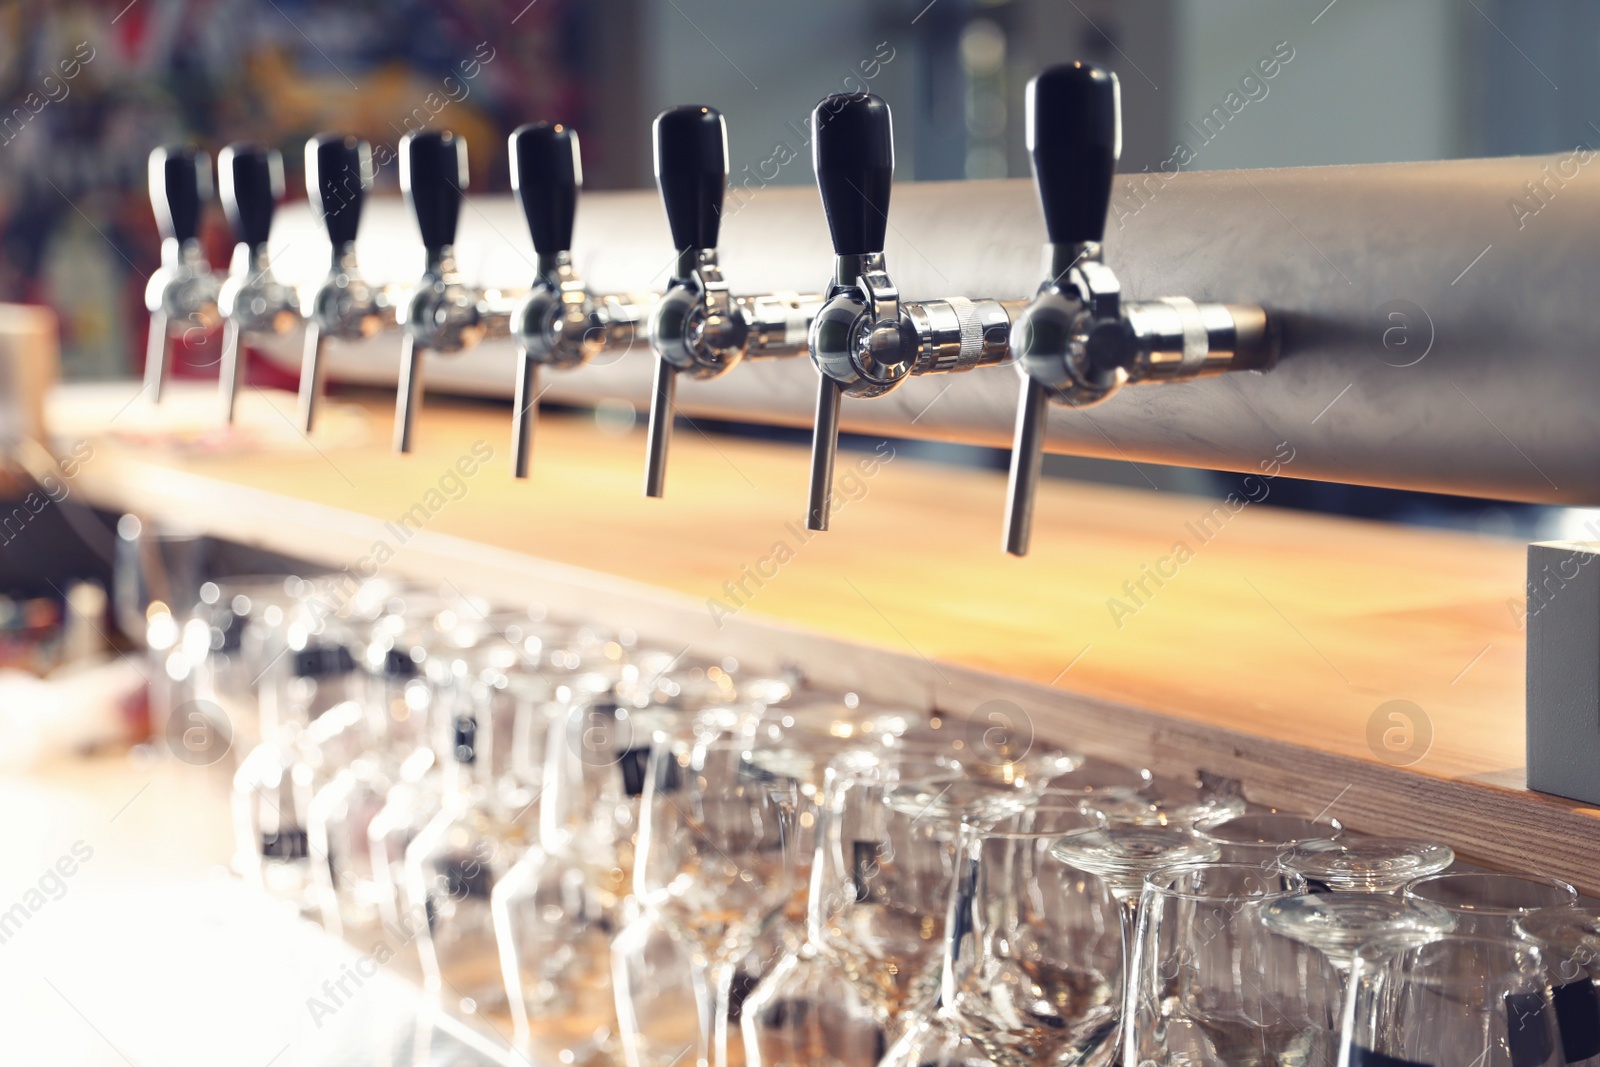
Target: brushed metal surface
point(1486, 385)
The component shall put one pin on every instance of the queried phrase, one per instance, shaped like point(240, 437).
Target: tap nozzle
point(252, 300)
point(1079, 342)
point(182, 292)
point(558, 324)
point(344, 307)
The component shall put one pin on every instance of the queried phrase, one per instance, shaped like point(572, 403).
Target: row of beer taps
point(1076, 343)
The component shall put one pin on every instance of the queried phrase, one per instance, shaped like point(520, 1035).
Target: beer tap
point(866, 340)
point(442, 314)
point(697, 327)
point(252, 300)
point(182, 293)
point(558, 324)
point(1079, 342)
point(344, 307)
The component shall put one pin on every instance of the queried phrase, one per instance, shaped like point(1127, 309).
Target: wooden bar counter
point(1244, 641)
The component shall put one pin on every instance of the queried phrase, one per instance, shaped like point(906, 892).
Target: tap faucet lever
point(867, 339)
point(558, 323)
point(856, 339)
point(344, 307)
point(184, 289)
point(252, 300)
point(441, 314)
point(1078, 342)
point(696, 328)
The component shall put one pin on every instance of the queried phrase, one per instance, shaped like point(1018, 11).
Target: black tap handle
point(691, 145)
point(852, 151)
point(338, 176)
point(250, 179)
point(546, 174)
point(180, 184)
point(433, 174)
point(1075, 135)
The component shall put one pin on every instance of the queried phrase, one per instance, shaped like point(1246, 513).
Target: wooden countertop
point(1259, 623)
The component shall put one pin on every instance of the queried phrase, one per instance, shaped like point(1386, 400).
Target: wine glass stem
point(721, 977)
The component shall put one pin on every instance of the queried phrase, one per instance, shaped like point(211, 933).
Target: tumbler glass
point(1569, 938)
point(717, 858)
point(1212, 985)
point(1455, 1000)
point(1032, 952)
point(1491, 902)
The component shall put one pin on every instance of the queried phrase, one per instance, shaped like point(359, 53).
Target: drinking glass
point(1212, 985)
point(240, 627)
point(1490, 902)
point(155, 583)
point(1338, 924)
point(1265, 837)
point(881, 881)
point(355, 892)
point(1569, 938)
point(1455, 1000)
point(1032, 952)
point(451, 870)
point(807, 1012)
point(1163, 802)
point(556, 909)
point(1366, 864)
point(1121, 856)
point(716, 858)
point(1094, 777)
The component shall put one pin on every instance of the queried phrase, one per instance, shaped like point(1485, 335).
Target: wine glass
point(1212, 985)
point(1366, 864)
point(1337, 925)
point(1456, 999)
point(1569, 938)
point(1490, 902)
point(1121, 856)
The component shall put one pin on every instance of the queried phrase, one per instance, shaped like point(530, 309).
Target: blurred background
point(90, 88)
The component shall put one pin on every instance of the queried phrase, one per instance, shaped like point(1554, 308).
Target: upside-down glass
point(1455, 1001)
point(1163, 802)
point(881, 882)
point(557, 908)
point(1094, 777)
point(1337, 925)
point(451, 869)
point(1032, 952)
point(1366, 864)
point(1569, 938)
point(1266, 837)
point(718, 846)
point(878, 892)
point(1211, 985)
point(1491, 902)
